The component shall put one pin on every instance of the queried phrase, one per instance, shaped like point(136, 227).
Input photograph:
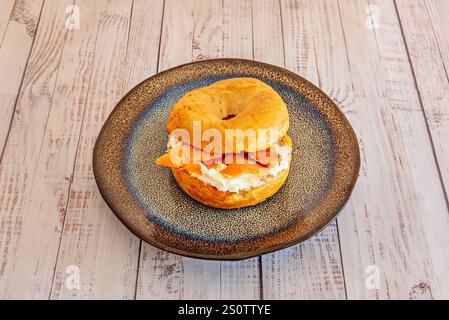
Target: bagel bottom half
point(211, 196)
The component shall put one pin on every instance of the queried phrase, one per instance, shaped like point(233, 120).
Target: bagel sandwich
point(228, 145)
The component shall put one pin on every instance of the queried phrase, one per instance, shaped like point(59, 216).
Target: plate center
point(157, 192)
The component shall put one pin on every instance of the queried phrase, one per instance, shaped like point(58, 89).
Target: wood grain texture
point(268, 39)
point(438, 11)
point(299, 52)
point(93, 239)
point(5, 14)
point(311, 270)
point(237, 29)
point(143, 41)
point(425, 26)
point(19, 277)
point(392, 222)
point(18, 24)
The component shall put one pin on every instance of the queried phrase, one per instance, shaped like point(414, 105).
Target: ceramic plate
point(147, 199)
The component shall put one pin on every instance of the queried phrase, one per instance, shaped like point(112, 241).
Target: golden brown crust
point(211, 196)
point(255, 106)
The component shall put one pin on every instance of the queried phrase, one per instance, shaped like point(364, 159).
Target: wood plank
point(18, 23)
point(438, 11)
point(49, 193)
point(207, 36)
point(310, 270)
point(177, 34)
point(237, 29)
point(21, 154)
point(397, 218)
point(425, 25)
point(267, 31)
point(193, 32)
point(299, 52)
point(143, 41)
point(5, 14)
point(93, 239)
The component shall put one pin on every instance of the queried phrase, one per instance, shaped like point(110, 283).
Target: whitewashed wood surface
point(385, 63)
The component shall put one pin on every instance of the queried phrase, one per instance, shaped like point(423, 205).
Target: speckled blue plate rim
point(112, 186)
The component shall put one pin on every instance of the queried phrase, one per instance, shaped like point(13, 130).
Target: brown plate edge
point(235, 256)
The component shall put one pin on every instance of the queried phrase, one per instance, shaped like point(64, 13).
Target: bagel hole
point(229, 116)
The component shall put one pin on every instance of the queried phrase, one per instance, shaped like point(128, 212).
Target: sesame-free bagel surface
point(237, 103)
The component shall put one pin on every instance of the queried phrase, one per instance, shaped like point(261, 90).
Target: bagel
point(239, 172)
point(237, 103)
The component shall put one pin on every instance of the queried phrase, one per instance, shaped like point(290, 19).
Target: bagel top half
point(245, 104)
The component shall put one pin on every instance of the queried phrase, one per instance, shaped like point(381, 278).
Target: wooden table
point(64, 64)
